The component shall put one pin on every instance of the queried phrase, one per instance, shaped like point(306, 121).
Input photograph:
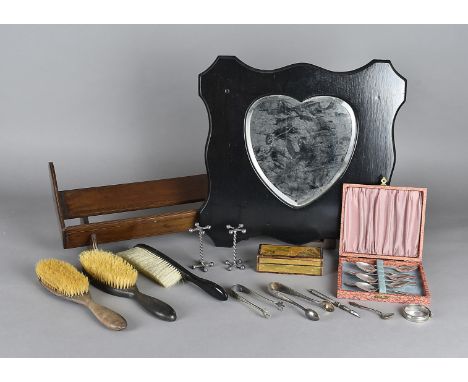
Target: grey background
point(116, 104)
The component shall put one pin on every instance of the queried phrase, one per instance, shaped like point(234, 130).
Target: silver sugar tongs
point(324, 304)
point(276, 289)
point(238, 288)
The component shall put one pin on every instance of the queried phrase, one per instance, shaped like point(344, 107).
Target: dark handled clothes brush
point(167, 272)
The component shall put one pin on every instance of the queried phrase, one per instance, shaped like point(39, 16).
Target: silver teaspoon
point(362, 285)
point(370, 288)
point(383, 316)
point(372, 280)
point(309, 313)
point(364, 277)
point(366, 267)
point(389, 276)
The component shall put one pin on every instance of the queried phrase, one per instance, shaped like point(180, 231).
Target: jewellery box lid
point(289, 251)
point(382, 222)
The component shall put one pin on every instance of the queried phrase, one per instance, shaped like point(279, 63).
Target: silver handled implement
point(383, 316)
point(309, 313)
point(238, 297)
point(324, 304)
point(334, 302)
point(238, 288)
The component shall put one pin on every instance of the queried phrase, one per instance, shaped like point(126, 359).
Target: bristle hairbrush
point(167, 272)
point(64, 280)
point(114, 275)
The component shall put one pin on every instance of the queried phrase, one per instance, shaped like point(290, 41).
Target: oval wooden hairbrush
point(64, 280)
point(166, 271)
point(115, 276)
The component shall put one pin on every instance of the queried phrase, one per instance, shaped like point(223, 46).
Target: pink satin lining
point(382, 222)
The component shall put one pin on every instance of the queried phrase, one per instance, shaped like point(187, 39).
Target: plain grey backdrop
point(116, 104)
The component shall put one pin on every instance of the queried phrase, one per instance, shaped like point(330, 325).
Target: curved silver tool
point(383, 316)
point(238, 297)
point(243, 289)
point(309, 313)
point(336, 303)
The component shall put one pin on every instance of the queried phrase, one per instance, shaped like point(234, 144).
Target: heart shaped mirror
point(300, 149)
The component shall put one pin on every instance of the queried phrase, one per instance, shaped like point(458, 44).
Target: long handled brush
point(167, 272)
point(64, 280)
point(114, 275)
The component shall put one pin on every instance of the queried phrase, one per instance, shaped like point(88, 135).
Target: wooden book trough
point(94, 201)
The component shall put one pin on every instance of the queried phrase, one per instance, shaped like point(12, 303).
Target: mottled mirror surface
point(300, 149)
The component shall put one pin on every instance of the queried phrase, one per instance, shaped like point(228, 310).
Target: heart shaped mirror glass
point(300, 149)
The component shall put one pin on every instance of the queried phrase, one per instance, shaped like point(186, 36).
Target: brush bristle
point(62, 277)
point(152, 266)
point(108, 268)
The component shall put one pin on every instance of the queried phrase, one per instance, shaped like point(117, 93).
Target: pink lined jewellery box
point(382, 226)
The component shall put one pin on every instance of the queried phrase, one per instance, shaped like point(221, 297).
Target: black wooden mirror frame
point(237, 194)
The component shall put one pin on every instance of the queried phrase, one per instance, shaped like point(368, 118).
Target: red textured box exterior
point(395, 260)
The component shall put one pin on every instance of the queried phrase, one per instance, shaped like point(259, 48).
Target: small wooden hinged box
point(301, 260)
point(382, 226)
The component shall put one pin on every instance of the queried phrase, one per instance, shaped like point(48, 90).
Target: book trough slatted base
point(95, 201)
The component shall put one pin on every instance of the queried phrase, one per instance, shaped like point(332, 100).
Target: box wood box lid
point(289, 259)
point(289, 254)
point(383, 188)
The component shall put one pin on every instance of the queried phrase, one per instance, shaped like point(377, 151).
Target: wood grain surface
point(134, 196)
point(93, 201)
point(132, 228)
